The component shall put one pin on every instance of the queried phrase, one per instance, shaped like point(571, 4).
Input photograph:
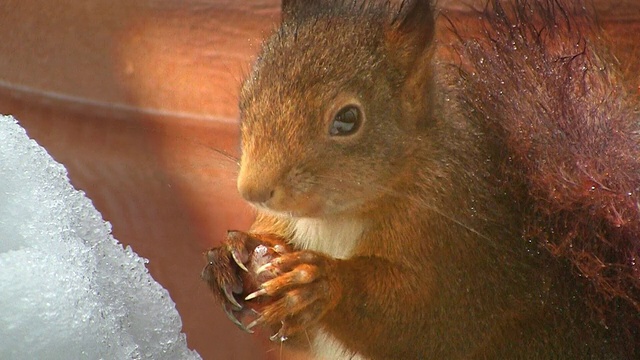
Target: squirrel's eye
point(346, 122)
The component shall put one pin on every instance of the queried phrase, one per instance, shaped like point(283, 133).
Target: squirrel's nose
point(255, 193)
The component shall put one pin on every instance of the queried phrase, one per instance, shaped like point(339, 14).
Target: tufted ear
point(409, 41)
point(287, 5)
point(290, 8)
point(294, 11)
point(411, 30)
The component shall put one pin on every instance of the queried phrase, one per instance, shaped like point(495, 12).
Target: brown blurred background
point(138, 100)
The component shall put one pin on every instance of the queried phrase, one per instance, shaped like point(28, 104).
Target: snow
point(68, 289)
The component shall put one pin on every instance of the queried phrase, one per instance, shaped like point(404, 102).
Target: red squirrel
point(482, 204)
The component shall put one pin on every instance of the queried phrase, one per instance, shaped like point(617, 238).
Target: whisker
point(306, 333)
point(421, 204)
point(228, 156)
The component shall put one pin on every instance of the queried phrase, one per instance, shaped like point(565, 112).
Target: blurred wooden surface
point(136, 98)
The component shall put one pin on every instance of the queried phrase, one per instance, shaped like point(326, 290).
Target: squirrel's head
point(330, 111)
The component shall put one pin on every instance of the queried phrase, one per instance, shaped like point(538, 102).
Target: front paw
point(231, 272)
point(303, 292)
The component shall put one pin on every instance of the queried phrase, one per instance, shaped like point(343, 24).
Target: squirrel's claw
point(228, 294)
point(301, 293)
point(221, 276)
point(280, 335)
point(256, 294)
point(234, 319)
point(236, 246)
point(254, 323)
point(267, 267)
point(236, 258)
point(244, 264)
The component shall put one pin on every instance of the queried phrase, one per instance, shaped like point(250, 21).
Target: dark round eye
point(346, 122)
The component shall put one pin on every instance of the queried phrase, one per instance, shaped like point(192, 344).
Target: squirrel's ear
point(289, 8)
point(409, 41)
point(411, 30)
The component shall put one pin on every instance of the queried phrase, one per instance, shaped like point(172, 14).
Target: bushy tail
point(539, 81)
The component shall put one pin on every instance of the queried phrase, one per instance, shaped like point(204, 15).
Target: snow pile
point(68, 290)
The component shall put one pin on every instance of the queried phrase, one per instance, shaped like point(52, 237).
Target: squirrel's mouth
point(308, 207)
point(298, 194)
point(299, 207)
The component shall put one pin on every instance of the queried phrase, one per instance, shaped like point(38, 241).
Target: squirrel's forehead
point(309, 63)
point(319, 42)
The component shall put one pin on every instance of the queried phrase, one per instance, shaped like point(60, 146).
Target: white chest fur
point(326, 347)
point(336, 237)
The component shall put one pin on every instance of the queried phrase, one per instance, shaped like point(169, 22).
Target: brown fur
point(576, 147)
point(453, 179)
